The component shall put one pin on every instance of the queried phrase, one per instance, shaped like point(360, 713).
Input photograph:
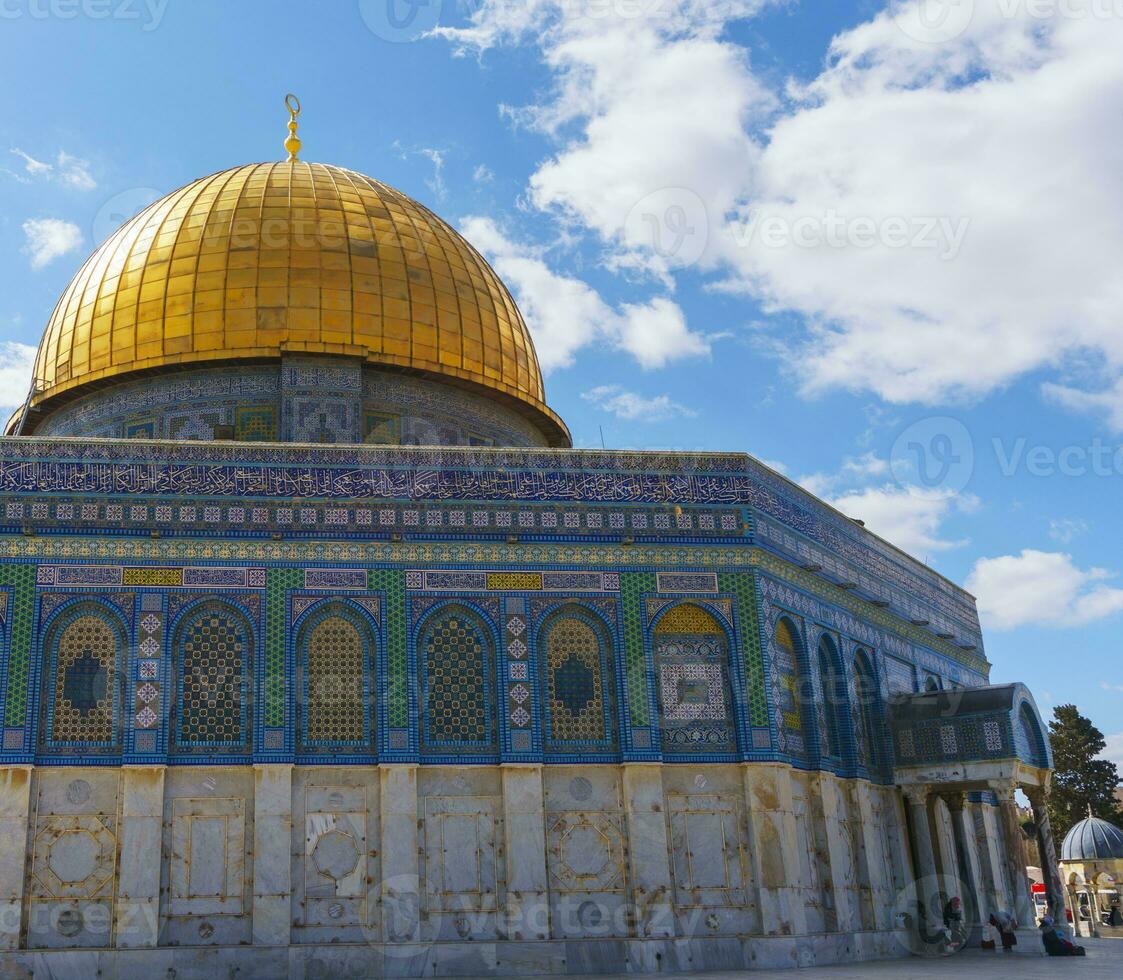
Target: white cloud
point(483, 174)
point(1107, 402)
point(565, 314)
point(905, 516)
point(67, 169)
point(49, 238)
point(16, 363)
point(1006, 127)
point(632, 407)
point(998, 147)
point(1114, 749)
point(1065, 529)
point(1039, 588)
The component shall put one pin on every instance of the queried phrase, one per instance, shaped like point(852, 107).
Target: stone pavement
point(1103, 962)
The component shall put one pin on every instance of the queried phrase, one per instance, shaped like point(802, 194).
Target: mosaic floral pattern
point(335, 657)
point(457, 656)
point(213, 650)
point(575, 681)
point(692, 665)
point(85, 651)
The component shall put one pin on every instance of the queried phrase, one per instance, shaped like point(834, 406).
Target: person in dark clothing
point(1006, 925)
point(1056, 943)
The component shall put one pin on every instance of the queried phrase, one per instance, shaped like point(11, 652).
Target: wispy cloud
point(1065, 529)
point(437, 182)
point(49, 238)
point(483, 174)
point(67, 169)
point(632, 407)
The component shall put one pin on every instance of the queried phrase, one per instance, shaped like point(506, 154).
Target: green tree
point(1080, 779)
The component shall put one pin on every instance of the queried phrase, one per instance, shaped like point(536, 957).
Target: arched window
point(1028, 742)
point(831, 704)
point(335, 650)
point(789, 689)
point(578, 681)
point(84, 647)
point(458, 704)
point(692, 665)
point(867, 728)
point(213, 656)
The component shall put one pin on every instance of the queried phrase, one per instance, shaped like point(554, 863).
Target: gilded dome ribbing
point(275, 258)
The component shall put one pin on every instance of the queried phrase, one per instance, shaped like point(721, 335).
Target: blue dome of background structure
point(1093, 839)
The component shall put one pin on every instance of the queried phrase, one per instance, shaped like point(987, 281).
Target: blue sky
point(875, 245)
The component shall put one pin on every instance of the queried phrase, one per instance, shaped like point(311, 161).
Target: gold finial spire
point(292, 143)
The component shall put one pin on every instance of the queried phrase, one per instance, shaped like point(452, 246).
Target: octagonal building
point(323, 653)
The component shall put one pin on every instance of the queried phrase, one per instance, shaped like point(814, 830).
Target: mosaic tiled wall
point(608, 700)
point(307, 400)
point(371, 493)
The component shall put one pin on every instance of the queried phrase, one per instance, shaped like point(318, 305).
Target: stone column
point(993, 858)
point(876, 859)
point(15, 809)
point(970, 871)
point(272, 854)
point(649, 856)
point(777, 874)
point(842, 869)
point(925, 872)
point(923, 854)
point(1050, 870)
point(401, 885)
point(524, 822)
point(1015, 855)
point(137, 909)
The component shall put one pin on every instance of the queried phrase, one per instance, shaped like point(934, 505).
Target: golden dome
point(275, 258)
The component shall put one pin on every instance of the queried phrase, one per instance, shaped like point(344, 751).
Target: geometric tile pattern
point(457, 658)
point(865, 700)
point(692, 665)
point(830, 701)
point(212, 653)
point(632, 586)
point(84, 650)
point(575, 681)
point(788, 689)
point(335, 656)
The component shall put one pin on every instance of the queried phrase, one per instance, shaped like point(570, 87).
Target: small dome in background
point(1093, 839)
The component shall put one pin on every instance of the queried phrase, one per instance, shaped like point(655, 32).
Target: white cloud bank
point(46, 239)
point(565, 314)
point(16, 363)
point(943, 216)
point(1040, 588)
